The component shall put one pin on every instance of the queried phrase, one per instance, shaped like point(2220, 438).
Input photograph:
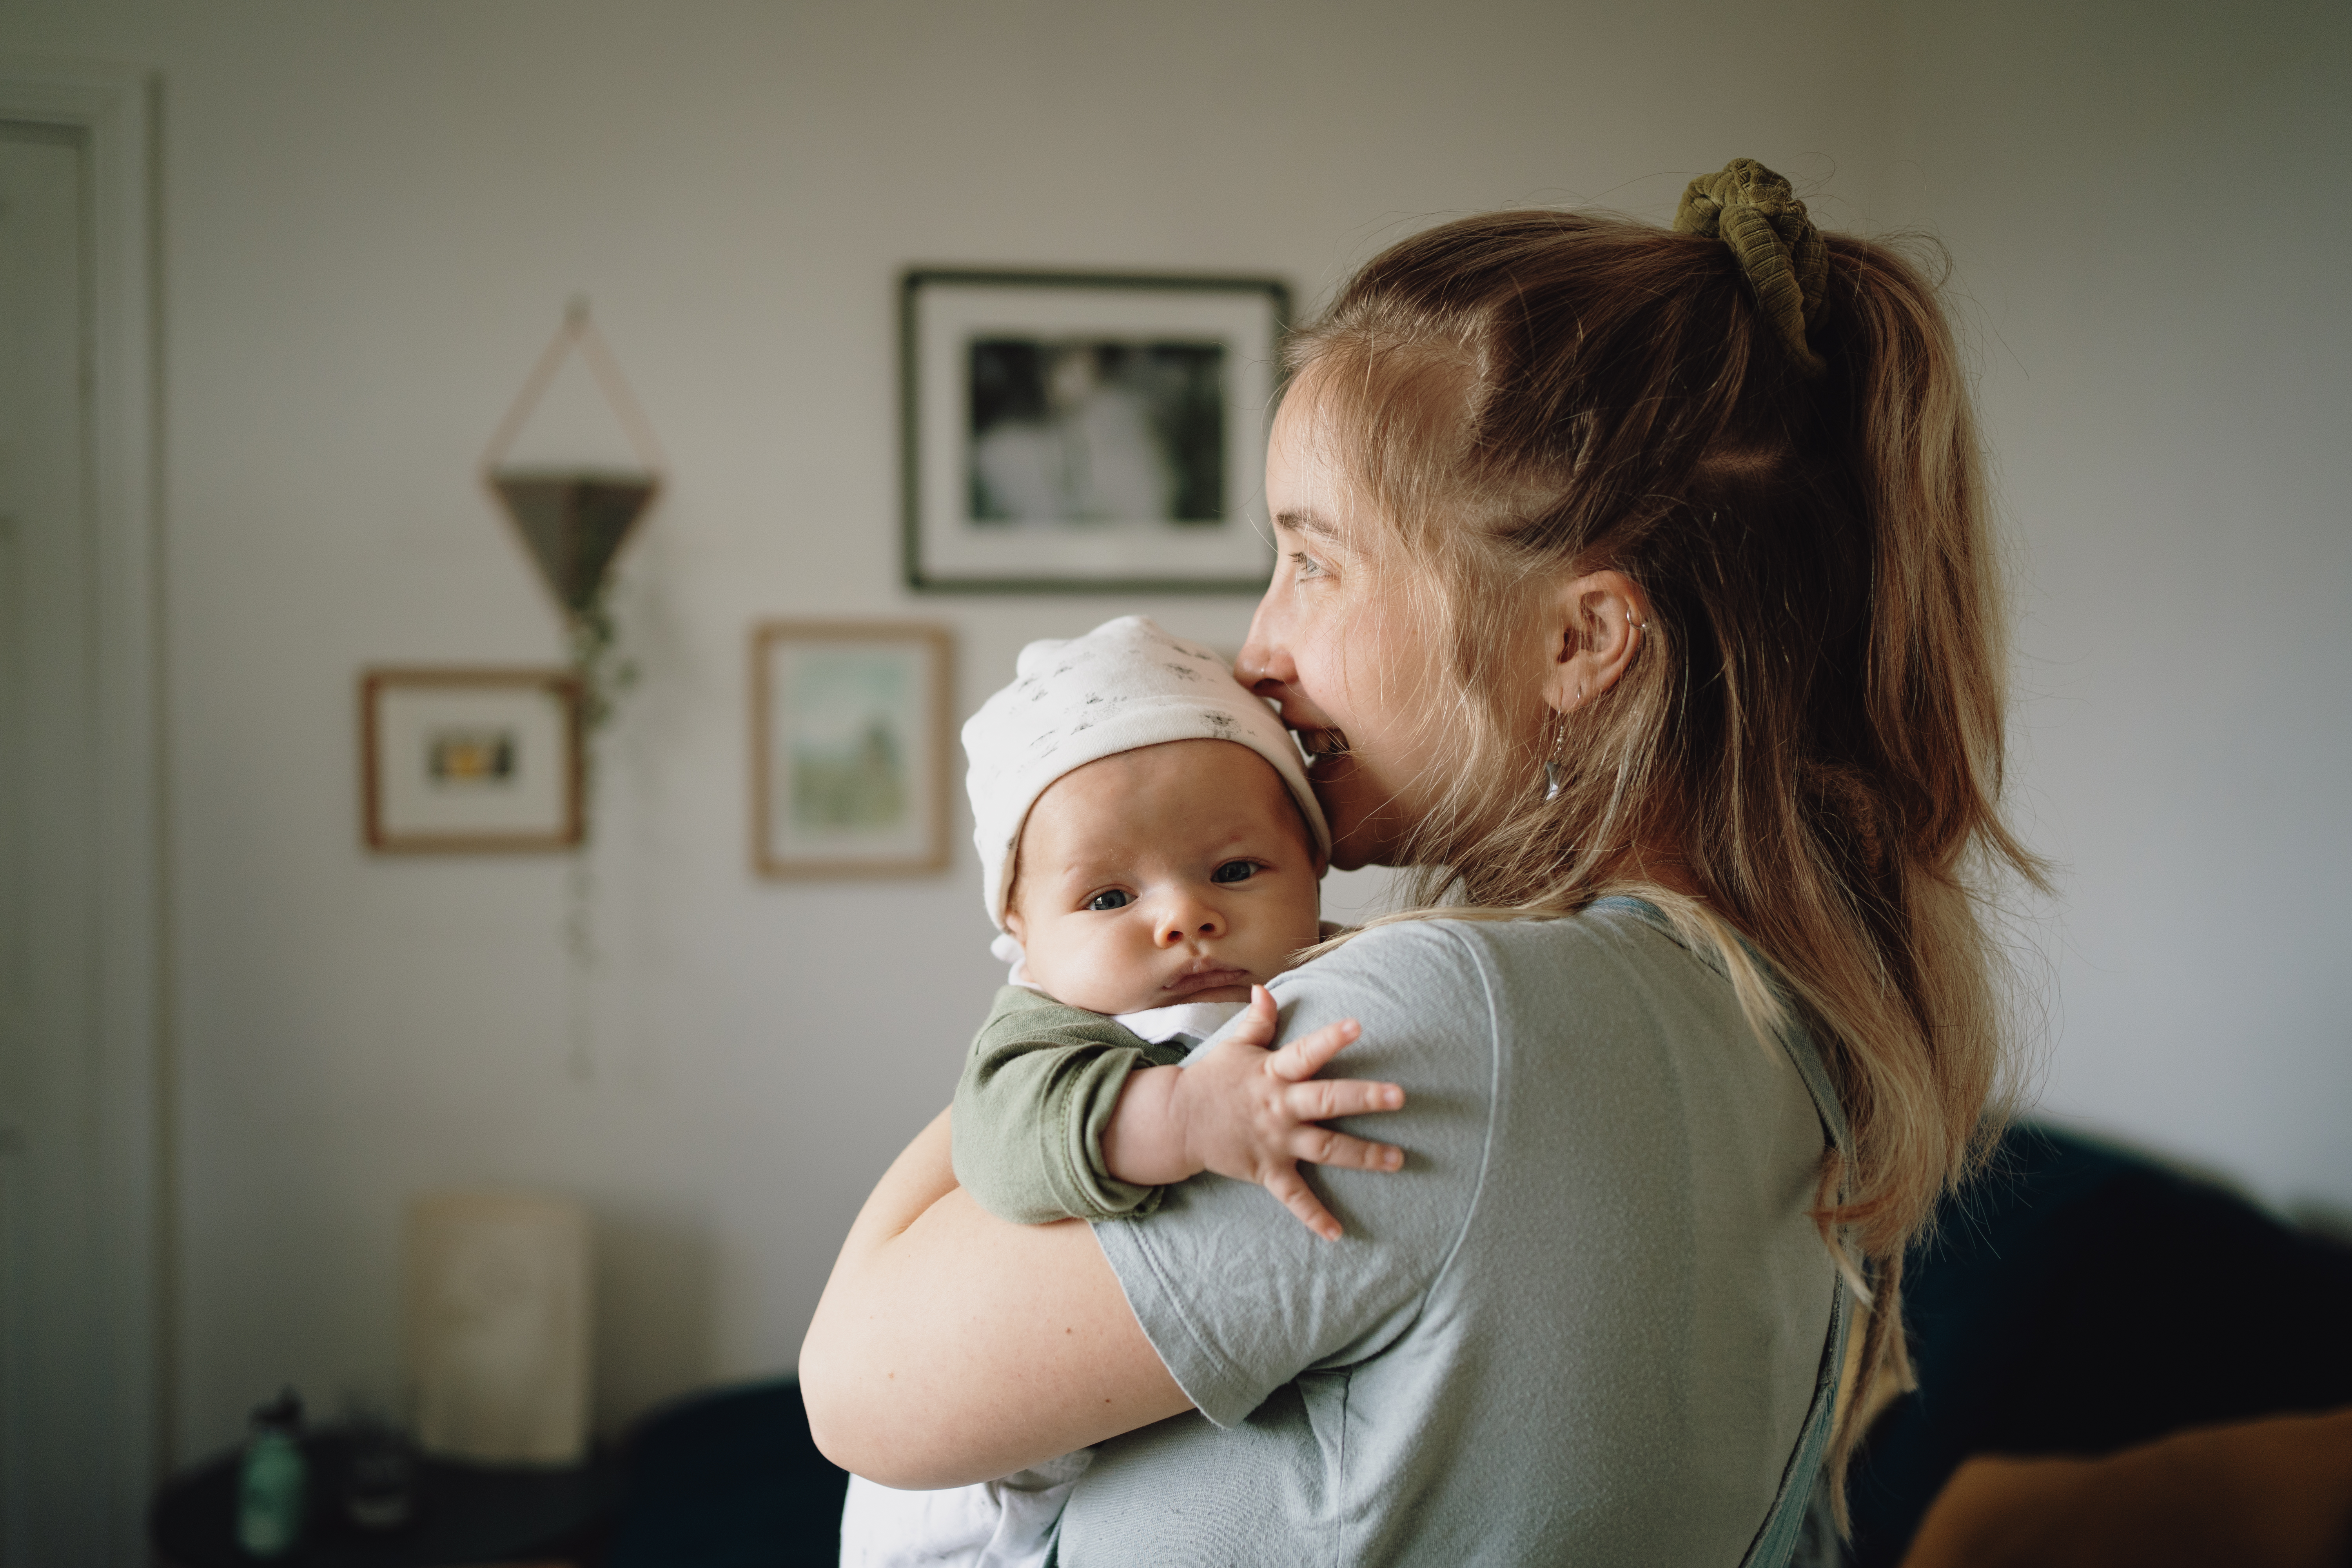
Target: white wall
point(2141, 202)
point(374, 212)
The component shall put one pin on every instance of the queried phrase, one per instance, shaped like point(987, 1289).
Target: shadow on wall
point(657, 1306)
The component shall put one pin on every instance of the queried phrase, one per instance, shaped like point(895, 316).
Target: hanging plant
point(574, 520)
point(602, 670)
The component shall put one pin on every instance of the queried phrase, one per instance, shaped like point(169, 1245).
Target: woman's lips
point(1207, 980)
point(1322, 741)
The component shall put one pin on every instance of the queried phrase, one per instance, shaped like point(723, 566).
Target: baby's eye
point(1109, 899)
point(1234, 871)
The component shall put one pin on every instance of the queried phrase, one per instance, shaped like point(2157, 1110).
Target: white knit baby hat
point(1124, 684)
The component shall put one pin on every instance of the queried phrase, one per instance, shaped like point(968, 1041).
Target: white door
point(76, 1332)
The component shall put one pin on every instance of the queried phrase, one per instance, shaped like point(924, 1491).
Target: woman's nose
point(1262, 664)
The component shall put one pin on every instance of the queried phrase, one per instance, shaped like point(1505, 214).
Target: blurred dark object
point(729, 1479)
point(2273, 1493)
point(378, 1484)
point(462, 1514)
point(2079, 1300)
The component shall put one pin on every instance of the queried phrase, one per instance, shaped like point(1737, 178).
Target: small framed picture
point(460, 760)
point(1070, 432)
point(850, 748)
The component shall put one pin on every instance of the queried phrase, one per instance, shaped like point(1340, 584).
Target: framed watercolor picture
point(1064, 431)
point(457, 760)
point(850, 748)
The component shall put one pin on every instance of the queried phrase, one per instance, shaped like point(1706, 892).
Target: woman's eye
point(1233, 871)
point(1306, 566)
point(1111, 899)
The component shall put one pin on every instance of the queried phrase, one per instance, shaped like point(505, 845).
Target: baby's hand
point(1252, 1114)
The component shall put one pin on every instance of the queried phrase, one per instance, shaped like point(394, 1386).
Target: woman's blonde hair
point(1812, 729)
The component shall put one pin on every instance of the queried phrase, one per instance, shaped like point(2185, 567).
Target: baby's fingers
point(1257, 1024)
point(1323, 1099)
point(1309, 1054)
point(1300, 1200)
point(1321, 1146)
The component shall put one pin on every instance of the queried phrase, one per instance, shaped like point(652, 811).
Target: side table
point(465, 1515)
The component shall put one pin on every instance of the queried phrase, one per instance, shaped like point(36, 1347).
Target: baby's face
point(1173, 873)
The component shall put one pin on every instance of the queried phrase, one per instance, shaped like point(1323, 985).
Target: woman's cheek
point(1351, 800)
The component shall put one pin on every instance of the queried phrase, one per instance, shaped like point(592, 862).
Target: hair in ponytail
point(1814, 722)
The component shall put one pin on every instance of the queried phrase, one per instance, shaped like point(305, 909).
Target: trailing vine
point(603, 671)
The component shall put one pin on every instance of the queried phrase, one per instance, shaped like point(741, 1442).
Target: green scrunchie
point(1757, 213)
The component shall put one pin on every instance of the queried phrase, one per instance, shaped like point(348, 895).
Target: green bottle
point(272, 1482)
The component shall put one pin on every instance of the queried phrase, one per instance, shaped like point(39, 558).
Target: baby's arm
point(1248, 1112)
point(1037, 1091)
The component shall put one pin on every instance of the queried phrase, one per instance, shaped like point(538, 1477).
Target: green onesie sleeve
point(1037, 1093)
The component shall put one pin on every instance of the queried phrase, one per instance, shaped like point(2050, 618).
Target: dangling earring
point(1554, 772)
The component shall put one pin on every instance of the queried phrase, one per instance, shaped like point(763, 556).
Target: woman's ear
point(1595, 624)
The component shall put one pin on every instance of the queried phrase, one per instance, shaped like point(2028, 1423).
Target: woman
point(1634, 586)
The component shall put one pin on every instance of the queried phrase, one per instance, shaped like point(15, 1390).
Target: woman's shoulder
point(1609, 984)
point(1452, 961)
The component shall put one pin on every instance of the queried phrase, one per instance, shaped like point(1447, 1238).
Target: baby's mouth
point(1207, 980)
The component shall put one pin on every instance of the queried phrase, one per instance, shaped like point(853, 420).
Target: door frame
point(115, 107)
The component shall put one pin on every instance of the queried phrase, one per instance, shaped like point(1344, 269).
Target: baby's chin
point(1215, 994)
point(1164, 997)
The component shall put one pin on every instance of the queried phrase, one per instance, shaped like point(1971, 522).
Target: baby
point(1151, 852)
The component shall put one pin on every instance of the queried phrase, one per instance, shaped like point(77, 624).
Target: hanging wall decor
point(851, 747)
point(470, 759)
point(574, 519)
point(1083, 434)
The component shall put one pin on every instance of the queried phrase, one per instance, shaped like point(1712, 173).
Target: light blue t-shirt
point(1587, 1322)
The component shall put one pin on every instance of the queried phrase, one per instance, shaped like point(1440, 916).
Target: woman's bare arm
point(951, 1347)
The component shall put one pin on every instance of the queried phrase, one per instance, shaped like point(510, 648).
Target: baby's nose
point(1188, 920)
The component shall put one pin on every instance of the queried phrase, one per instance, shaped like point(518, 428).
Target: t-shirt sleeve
point(1236, 1295)
point(1038, 1091)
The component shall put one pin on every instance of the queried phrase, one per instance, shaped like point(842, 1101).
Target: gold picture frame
point(851, 748)
point(470, 761)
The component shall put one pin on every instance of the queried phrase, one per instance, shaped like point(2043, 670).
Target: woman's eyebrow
point(1306, 522)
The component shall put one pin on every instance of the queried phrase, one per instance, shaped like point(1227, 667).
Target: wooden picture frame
point(851, 748)
point(470, 761)
point(1073, 432)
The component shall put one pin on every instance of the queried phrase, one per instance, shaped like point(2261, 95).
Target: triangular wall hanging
point(574, 520)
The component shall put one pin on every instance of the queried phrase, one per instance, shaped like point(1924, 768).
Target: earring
point(1554, 772)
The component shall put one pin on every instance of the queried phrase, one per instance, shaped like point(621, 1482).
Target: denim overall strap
point(1776, 1543)
point(1784, 1526)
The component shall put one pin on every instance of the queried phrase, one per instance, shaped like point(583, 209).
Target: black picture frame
point(1166, 340)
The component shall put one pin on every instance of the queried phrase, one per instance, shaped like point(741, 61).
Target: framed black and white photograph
point(1093, 434)
point(851, 748)
point(470, 759)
